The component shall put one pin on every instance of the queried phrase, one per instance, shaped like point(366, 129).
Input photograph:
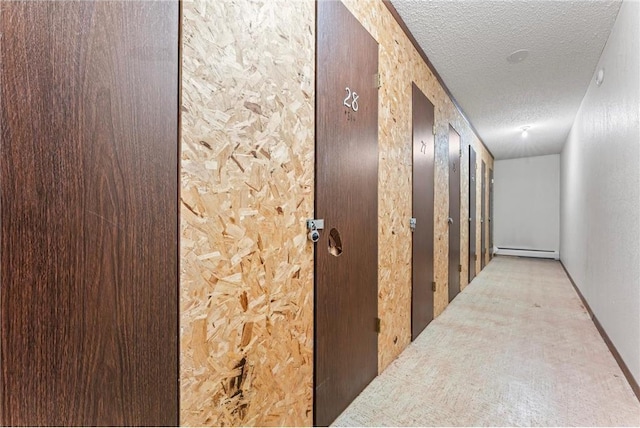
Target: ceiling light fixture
point(518, 56)
point(525, 131)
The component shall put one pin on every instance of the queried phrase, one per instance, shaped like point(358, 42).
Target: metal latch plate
point(315, 224)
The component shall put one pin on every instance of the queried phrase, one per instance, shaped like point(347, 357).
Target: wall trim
point(421, 52)
point(627, 373)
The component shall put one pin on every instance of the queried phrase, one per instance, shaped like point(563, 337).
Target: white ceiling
point(468, 43)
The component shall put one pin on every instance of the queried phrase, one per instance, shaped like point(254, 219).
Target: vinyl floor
point(515, 348)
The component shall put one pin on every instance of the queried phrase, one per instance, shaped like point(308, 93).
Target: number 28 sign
point(351, 100)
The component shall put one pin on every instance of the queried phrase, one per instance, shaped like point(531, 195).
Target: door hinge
point(459, 268)
point(412, 223)
point(378, 325)
point(377, 81)
point(434, 129)
point(433, 286)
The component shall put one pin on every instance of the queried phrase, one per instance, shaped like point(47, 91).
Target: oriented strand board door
point(454, 213)
point(472, 213)
point(347, 199)
point(483, 217)
point(88, 213)
point(422, 246)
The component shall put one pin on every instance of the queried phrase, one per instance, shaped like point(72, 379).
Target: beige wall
point(247, 187)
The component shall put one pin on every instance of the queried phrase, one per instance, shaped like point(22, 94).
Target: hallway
point(298, 213)
point(516, 348)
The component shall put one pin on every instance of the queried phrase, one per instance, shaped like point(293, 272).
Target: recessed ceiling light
point(518, 56)
point(525, 131)
point(600, 77)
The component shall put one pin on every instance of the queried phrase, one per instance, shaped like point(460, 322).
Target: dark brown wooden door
point(346, 353)
point(483, 217)
point(490, 214)
point(422, 246)
point(88, 213)
point(454, 213)
point(472, 213)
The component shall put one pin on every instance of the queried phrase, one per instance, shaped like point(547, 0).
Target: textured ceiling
point(468, 42)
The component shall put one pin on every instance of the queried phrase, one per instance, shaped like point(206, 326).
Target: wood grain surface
point(472, 213)
point(422, 266)
point(88, 212)
point(454, 213)
point(346, 304)
point(483, 215)
point(490, 214)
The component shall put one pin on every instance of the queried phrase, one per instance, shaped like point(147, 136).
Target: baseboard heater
point(526, 252)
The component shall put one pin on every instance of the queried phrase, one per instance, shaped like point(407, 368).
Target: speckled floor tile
point(516, 348)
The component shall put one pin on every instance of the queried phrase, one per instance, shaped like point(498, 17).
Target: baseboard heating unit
point(526, 252)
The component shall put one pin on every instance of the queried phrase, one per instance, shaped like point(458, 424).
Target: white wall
point(600, 191)
point(527, 203)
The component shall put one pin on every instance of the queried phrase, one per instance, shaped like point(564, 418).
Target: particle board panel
point(394, 179)
point(454, 212)
point(481, 154)
point(244, 158)
point(247, 187)
point(400, 65)
point(441, 210)
point(477, 231)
